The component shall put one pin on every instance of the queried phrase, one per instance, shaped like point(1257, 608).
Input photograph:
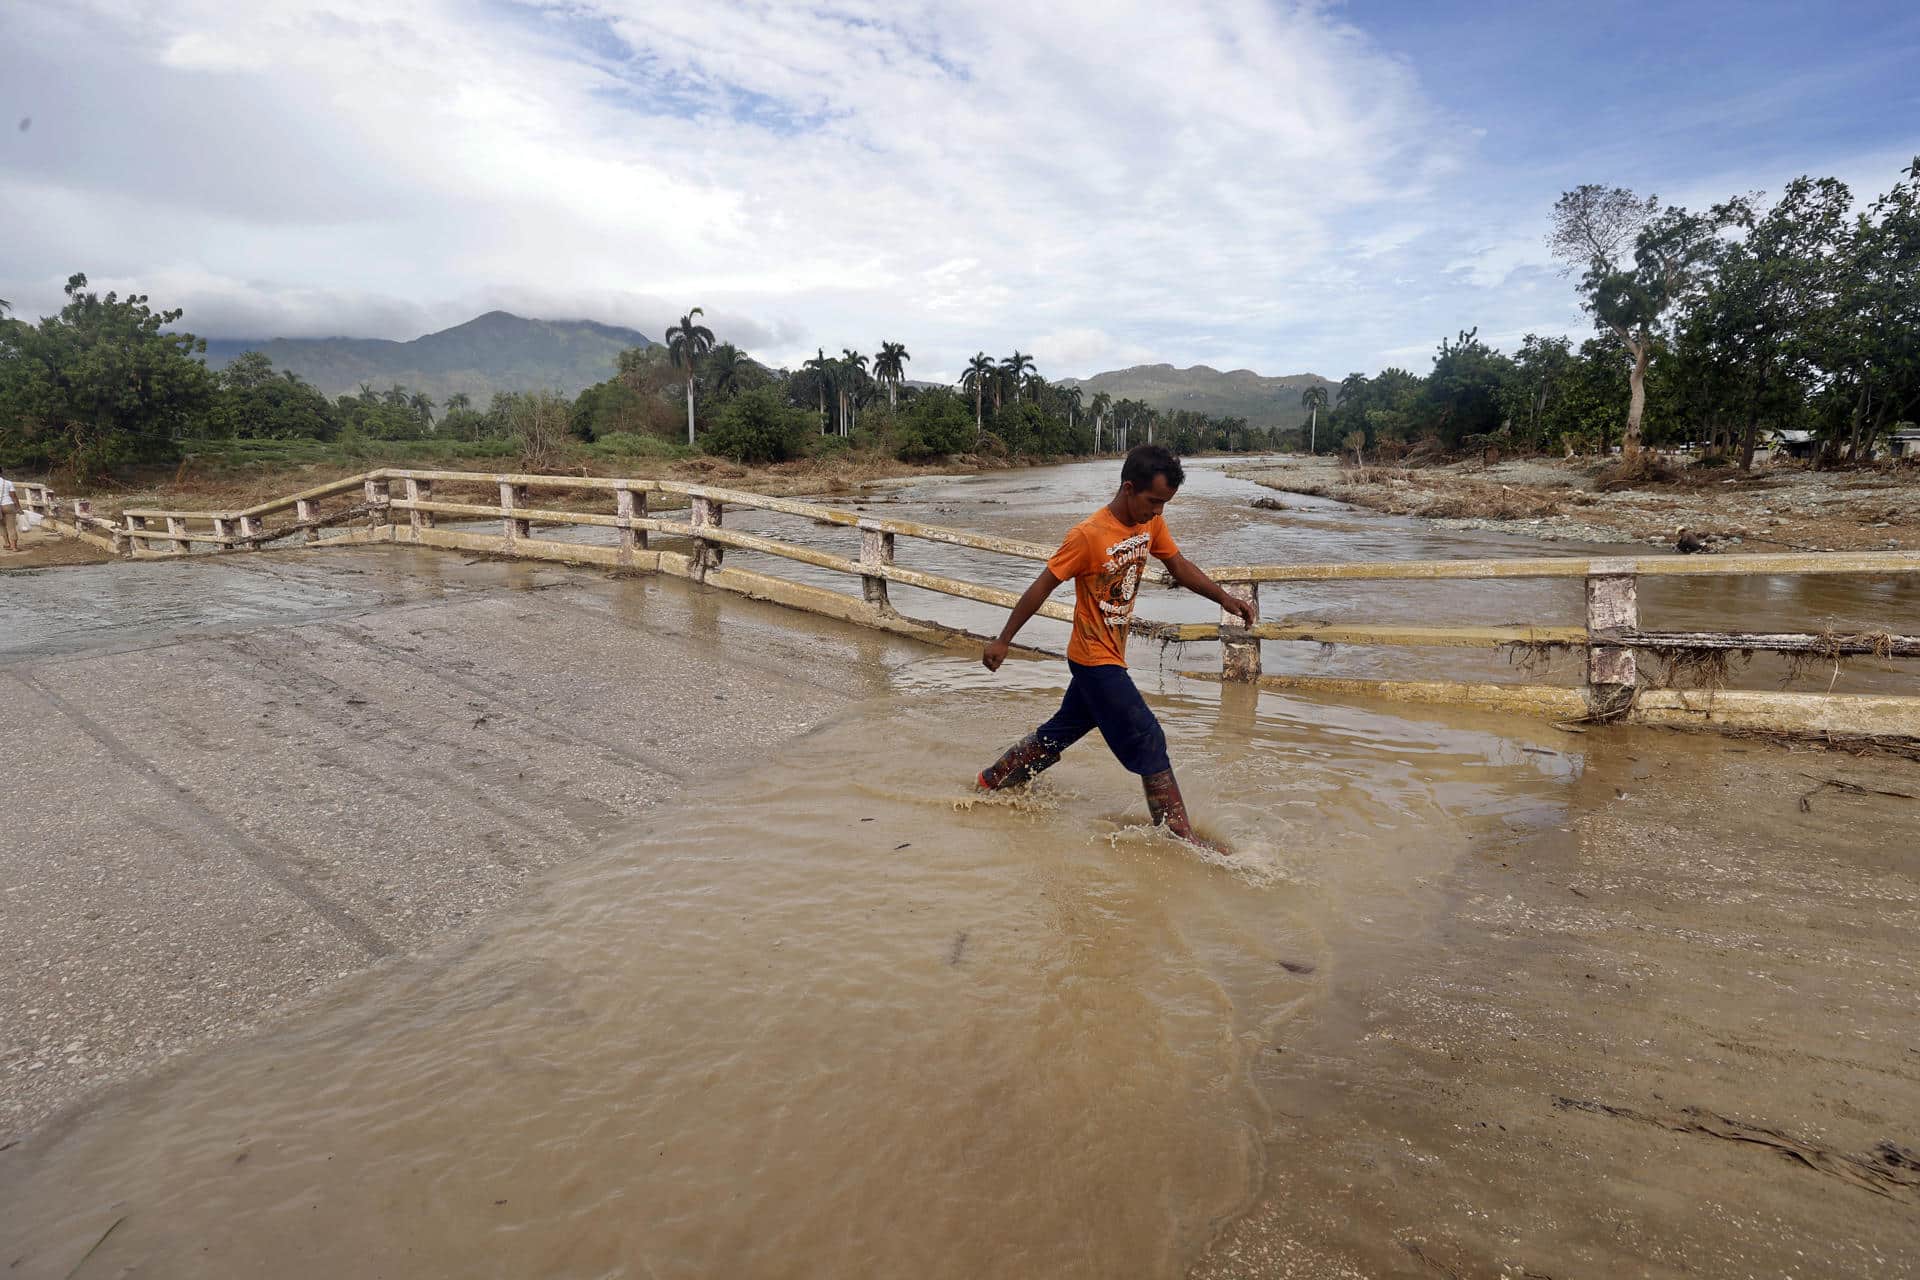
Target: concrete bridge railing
point(368, 509)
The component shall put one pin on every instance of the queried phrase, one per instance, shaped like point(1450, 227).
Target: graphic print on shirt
point(1118, 581)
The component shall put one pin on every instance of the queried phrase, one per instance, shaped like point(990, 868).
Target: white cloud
point(1098, 182)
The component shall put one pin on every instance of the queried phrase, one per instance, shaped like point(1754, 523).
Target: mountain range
point(1240, 393)
point(498, 351)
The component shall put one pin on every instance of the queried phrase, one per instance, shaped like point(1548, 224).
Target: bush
point(757, 426)
point(626, 444)
point(934, 426)
point(1027, 428)
point(539, 423)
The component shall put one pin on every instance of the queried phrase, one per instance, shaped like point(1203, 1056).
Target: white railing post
point(251, 528)
point(1239, 653)
point(177, 528)
point(222, 528)
point(707, 514)
point(1613, 603)
point(378, 494)
point(626, 505)
point(876, 551)
point(307, 513)
point(419, 491)
point(511, 528)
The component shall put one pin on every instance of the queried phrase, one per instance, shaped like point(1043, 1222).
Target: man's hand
point(995, 654)
point(1240, 608)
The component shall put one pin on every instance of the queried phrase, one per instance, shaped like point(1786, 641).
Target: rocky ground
point(1775, 507)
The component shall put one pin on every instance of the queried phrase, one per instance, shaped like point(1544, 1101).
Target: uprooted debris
point(1889, 1170)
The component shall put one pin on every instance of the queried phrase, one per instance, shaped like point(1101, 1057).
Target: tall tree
point(422, 406)
point(1071, 396)
point(727, 369)
point(687, 342)
point(1102, 406)
point(1637, 260)
point(1540, 371)
point(1012, 369)
point(890, 366)
point(980, 372)
point(853, 373)
point(821, 370)
point(1867, 339)
point(101, 383)
point(1313, 400)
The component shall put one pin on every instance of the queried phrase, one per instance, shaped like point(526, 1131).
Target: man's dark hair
point(1145, 461)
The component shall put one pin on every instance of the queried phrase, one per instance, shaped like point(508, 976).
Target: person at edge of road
point(9, 514)
point(1104, 555)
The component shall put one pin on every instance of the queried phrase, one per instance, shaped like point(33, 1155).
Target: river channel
point(835, 1016)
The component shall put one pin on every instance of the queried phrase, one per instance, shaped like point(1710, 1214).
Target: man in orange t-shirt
point(1105, 556)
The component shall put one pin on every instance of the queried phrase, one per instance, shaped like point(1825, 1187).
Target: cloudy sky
point(1241, 183)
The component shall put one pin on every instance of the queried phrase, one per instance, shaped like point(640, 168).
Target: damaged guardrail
point(365, 508)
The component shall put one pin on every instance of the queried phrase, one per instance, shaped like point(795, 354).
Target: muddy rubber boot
point(1025, 758)
point(1164, 805)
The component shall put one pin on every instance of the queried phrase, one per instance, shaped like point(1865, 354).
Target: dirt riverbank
point(1773, 508)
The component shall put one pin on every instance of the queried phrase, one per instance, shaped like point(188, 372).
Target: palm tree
point(422, 405)
point(822, 370)
point(1102, 406)
point(726, 366)
point(1351, 387)
point(1313, 399)
point(890, 366)
point(458, 401)
point(1013, 368)
point(686, 343)
point(976, 379)
point(854, 366)
point(1070, 395)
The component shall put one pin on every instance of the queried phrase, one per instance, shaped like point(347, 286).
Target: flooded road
point(825, 1013)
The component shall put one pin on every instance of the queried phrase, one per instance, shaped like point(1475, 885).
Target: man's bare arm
point(1030, 601)
point(1195, 579)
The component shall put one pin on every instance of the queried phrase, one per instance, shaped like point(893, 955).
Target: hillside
point(493, 352)
point(1242, 393)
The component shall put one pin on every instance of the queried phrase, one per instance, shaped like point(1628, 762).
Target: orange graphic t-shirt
point(1105, 559)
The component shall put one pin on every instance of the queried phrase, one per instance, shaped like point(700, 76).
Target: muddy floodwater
point(1472, 997)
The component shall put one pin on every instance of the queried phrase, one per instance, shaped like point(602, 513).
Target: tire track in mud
point(270, 864)
point(442, 671)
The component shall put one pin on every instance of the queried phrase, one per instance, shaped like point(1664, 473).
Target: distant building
point(1793, 443)
point(1905, 441)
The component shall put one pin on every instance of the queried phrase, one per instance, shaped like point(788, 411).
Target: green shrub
point(933, 426)
point(757, 426)
point(627, 444)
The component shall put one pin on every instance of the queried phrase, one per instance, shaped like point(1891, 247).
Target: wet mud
point(1472, 997)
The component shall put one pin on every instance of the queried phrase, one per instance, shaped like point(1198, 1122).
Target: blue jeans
point(1105, 698)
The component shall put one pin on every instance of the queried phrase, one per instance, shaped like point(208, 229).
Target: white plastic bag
point(30, 520)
